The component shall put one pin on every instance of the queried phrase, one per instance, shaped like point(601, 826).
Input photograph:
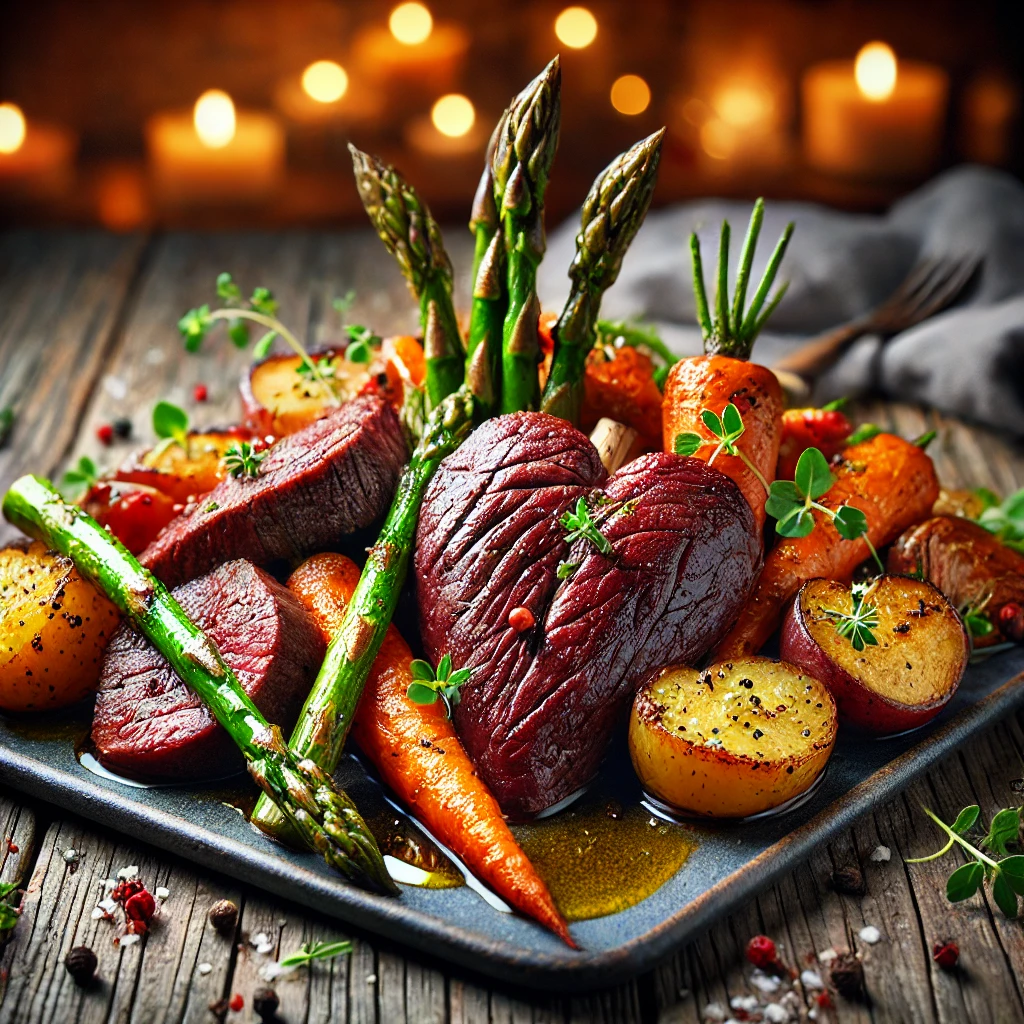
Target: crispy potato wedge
point(731, 740)
point(54, 627)
point(134, 513)
point(183, 473)
point(902, 680)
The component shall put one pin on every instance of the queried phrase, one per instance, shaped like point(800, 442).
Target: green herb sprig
point(975, 619)
point(858, 625)
point(1003, 518)
point(1005, 875)
point(80, 478)
point(242, 460)
point(170, 423)
point(727, 429)
point(362, 341)
point(790, 503)
point(8, 915)
point(6, 423)
point(319, 950)
point(580, 524)
point(430, 684)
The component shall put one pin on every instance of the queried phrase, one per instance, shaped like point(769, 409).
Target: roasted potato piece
point(906, 676)
point(134, 513)
point(971, 567)
point(183, 473)
point(54, 627)
point(731, 740)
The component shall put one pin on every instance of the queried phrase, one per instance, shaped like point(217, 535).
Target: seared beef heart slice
point(313, 487)
point(540, 705)
point(148, 724)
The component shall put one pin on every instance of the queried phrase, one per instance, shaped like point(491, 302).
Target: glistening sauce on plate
point(600, 858)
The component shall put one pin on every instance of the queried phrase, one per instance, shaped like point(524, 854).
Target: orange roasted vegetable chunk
point(623, 389)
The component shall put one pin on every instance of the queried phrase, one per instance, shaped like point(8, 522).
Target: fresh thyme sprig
point(429, 683)
point(857, 625)
point(319, 950)
point(242, 460)
point(579, 524)
point(728, 429)
point(1005, 875)
point(790, 503)
point(80, 478)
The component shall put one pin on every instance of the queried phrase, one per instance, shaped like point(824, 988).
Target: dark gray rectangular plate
point(731, 863)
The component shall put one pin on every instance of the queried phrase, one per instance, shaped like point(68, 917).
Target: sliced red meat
point(149, 725)
point(313, 487)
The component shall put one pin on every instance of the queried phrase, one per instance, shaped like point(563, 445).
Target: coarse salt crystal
point(273, 970)
point(265, 947)
point(161, 892)
point(97, 914)
point(371, 979)
point(826, 956)
point(260, 939)
point(205, 968)
point(766, 983)
point(131, 871)
point(115, 387)
point(70, 856)
point(715, 1011)
point(881, 854)
point(812, 1013)
point(747, 1003)
point(870, 934)
point(129, 940)
point(811, 979)
point(776, 1013)
point(107, 905)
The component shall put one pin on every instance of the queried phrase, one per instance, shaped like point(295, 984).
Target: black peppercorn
point(265, 1003)
point(847, 975)
point(849, 881)
point(122, 428)
point(80, 963)
point(224, 917)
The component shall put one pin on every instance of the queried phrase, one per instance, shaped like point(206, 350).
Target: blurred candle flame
point(875, 71)
point(214, 119)
point(411, 23)
point(630, 94)
point(325, 81)
point(12, 128)
point(576, 27)
point(453, 115)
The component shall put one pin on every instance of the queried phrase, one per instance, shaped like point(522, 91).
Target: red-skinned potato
point(903, 680)
point(732, 740)
point(134, 513)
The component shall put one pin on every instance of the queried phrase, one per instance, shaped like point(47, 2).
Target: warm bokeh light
point(453, 115)
point(631, 94)
point(325, 81)
point(717, 139)
point(12, 128)
point(875, 71)
point(576, 27)
point(214, 118)
point(743, 105)
point(410, 23)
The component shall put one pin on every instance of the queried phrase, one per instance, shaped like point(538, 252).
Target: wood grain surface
point(86, 335)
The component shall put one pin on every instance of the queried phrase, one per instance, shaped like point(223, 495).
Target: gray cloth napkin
point(967, 361)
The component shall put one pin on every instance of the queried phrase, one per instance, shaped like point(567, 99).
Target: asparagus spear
point(612, 214)
point(522, 159)
point(412, 236)
point(483, 368)
point(322, 815)
point(327, 715)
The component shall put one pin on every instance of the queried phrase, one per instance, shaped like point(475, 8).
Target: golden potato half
point(731, 740)
point(54, 627)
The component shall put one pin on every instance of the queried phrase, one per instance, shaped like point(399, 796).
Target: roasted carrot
point(712, 382)
point(419, 756)
point(891, 481)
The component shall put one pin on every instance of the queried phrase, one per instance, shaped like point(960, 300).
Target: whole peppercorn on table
point(87, 339)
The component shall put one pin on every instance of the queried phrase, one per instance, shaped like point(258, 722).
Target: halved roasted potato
point(183, 472)
point(893, 656)
point(54, 627)
point(731, 740)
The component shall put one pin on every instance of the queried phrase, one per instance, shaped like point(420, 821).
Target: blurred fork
point(931, 286)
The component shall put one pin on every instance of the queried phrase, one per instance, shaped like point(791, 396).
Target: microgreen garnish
point(6, 423)
point(361, 341)
point(171, 423)
point(1005, 875)
point(728, 429)
point(323, 364)
point(857, 625)
point(732, 331)
point(241, 459)
point(566, 569)
point(790, 503)
point(863, 433)
point(8, 915)
point(429, 684)
point(343, 304)
point(318, 950)
point(260, 308)
point(613, 334)
point(80, 478)
point(975, 619)
point(1005, 519)
point(579, 524)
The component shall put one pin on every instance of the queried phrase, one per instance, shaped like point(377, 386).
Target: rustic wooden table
point(87, 334)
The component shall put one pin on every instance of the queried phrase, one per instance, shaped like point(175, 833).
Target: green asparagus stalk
point(319, 813)
point(412, 236)
point(612, 214)
point(487, 314)
point(327, 715)
point(522, 160)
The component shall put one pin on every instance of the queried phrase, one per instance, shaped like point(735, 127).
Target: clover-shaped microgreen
point(79, 478)
point(727, 429)
point(1005, 875)
point(857, 625)
point(429, 684)
point(322, 364)
point(242, 460)
point(362, 341)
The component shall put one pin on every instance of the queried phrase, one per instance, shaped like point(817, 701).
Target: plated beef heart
point(542, 700)
point(313, 487)
point(148, 724)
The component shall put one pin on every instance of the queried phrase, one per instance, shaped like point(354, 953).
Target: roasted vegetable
point(53, 628)
point(731, 740)
point(892, 652)
point(420, 758)
point(620, 385)
point(981, 576)
point(824, 429)
point(891, 481)
point(134, 513)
